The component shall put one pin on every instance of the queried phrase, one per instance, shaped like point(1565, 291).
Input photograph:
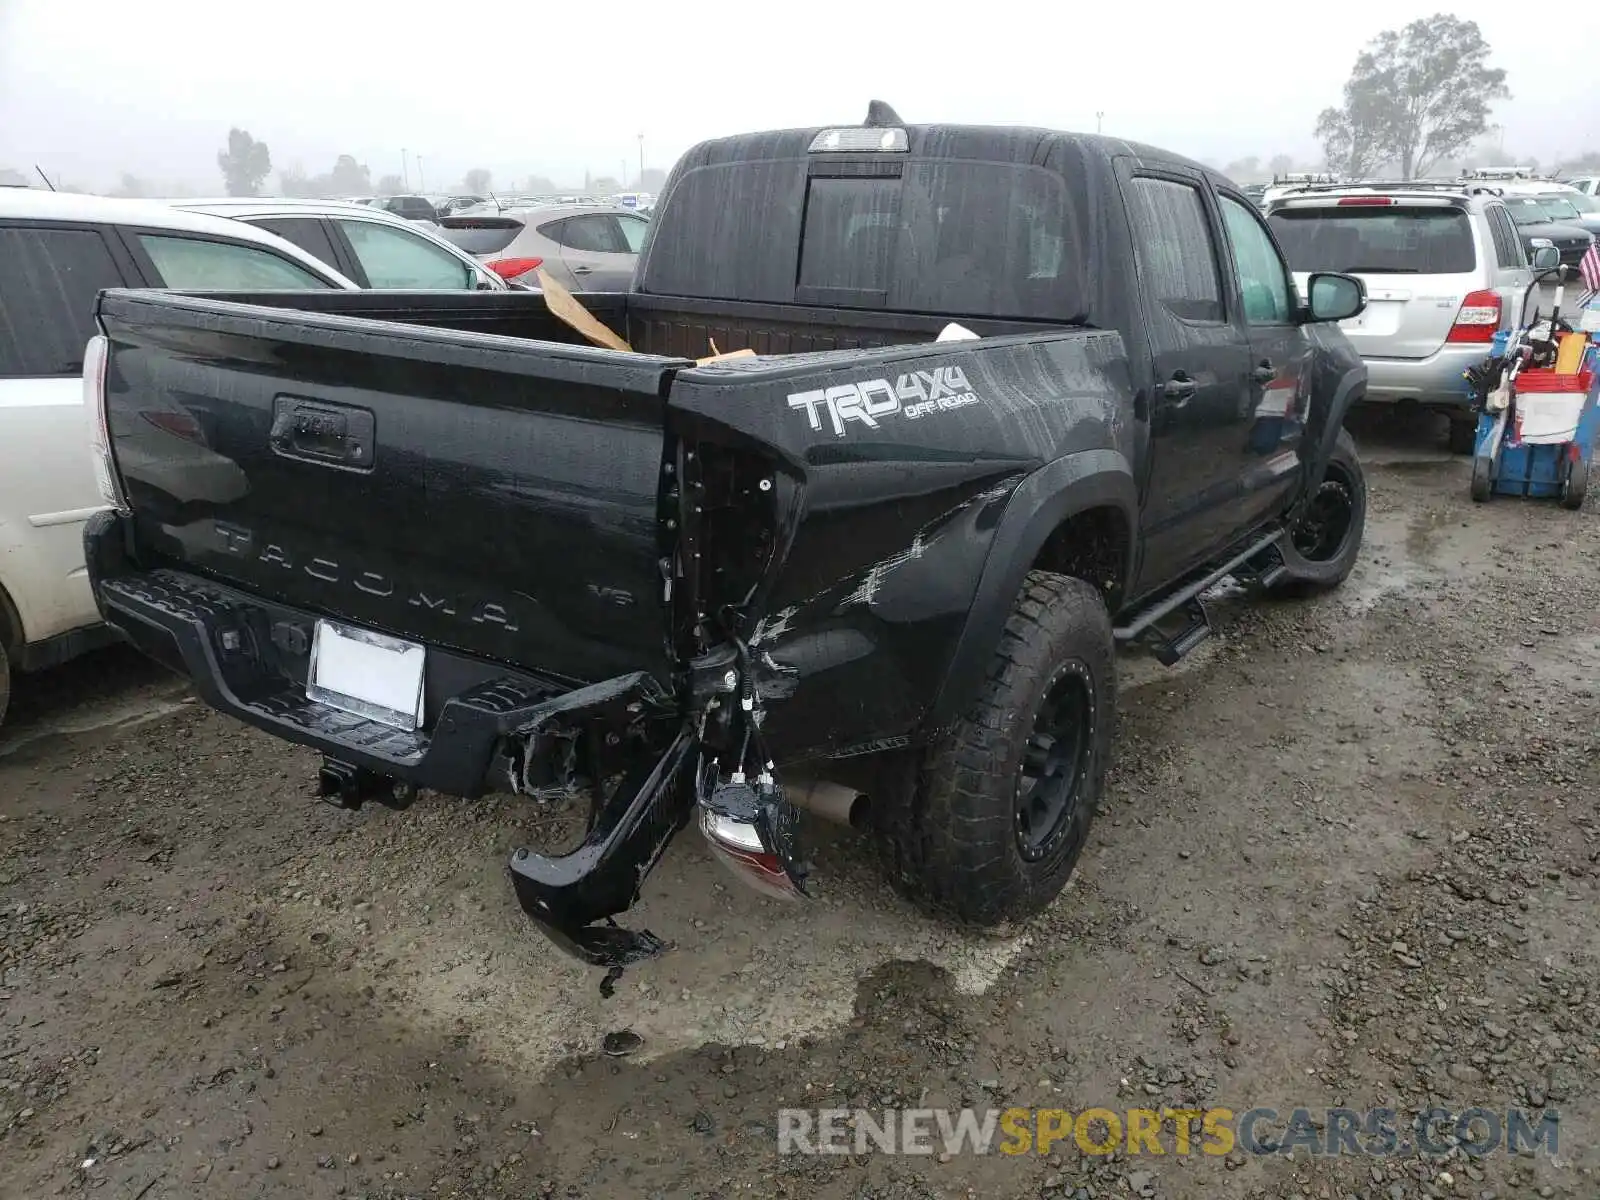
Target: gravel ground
point(1349, 857)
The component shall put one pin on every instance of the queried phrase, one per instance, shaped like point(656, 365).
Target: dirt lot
point(1349, 858)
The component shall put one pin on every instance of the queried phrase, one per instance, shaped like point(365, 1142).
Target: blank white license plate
point(367, 674)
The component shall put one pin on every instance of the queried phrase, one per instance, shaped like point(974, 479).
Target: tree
point(1352, 137)
point(293, 181)
point(11, 177)
point(1280, 165)
point(538, 185)
point(388, 185)
point(245, 164)
point(1416, 96)
point(131, 186)
point(348, 178)
point(477, 181)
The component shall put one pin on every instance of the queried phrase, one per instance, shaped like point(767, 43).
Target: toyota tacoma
point(1007, 398)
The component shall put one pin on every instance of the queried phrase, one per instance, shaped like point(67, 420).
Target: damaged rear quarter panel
point(894, 511)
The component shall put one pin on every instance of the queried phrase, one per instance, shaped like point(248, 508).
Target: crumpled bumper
point(248, 658)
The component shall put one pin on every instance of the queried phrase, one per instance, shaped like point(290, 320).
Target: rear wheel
point(999, 810)
point(5, 683)
point(1463, 437)
point(1325, 542)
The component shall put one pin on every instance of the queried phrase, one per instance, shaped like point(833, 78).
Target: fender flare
point(1345, 394)
point(1049, 496)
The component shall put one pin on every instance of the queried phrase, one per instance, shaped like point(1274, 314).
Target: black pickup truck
point(452, 546)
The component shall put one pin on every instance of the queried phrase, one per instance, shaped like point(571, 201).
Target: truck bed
point(677, 327)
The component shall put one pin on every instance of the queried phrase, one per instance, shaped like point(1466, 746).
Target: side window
point(398, 258)
point(308, 233)
point(1174, 248)
point(595, 234)
point(633, 231)
point(190, 263)
point(1508, 251)
point(48, 282)
point(1263, 279)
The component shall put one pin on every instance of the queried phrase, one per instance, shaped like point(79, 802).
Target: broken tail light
point(737, 846)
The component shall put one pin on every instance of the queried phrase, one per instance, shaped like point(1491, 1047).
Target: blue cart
point(1505, 463)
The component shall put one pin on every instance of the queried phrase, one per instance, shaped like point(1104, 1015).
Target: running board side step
point(1260, 561)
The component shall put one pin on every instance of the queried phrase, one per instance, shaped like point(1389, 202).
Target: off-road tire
point(951, 840)
point(1320, 572)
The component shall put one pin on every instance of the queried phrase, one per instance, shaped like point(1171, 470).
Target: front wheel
point(5, 683)
point(999, 809)
point(1575, 483)
point(1323, 546)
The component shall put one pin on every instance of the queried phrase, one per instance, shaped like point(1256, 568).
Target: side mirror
point(1546, 257)
point(1335, 297)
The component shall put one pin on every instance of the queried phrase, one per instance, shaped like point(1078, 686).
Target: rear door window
point(309, 233)
point(1376, 240)
point(595, 233)
point(196, 264)
point(398, 258)
point(48, 282)
point(1175, 249)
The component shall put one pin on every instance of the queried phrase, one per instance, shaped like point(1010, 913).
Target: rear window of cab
point(937, 236)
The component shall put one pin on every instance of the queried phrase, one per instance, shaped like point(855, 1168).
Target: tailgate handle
point(313, 430)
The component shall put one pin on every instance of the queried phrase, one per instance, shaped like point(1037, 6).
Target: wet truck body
point(451, 546)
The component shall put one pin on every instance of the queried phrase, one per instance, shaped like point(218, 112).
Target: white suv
point(57, 251)
point(1445, 271)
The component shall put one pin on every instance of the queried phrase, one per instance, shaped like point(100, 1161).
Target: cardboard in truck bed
point(566, 306)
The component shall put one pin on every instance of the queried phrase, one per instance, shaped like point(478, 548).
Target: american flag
point(1589, 268)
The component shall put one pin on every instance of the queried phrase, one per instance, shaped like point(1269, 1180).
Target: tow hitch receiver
point(345, 785)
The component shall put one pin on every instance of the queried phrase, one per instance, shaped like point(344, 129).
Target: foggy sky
point(91, 90)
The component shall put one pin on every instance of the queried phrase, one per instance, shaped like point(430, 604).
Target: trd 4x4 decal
point(918, 394)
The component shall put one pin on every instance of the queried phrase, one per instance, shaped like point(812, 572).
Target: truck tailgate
point(494, 495)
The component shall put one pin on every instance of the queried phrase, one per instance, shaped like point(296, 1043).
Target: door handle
point(1179, 390)
point(1264, 373)
point(582, 270)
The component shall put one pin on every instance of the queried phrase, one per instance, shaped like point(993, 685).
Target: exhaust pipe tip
point(833, 802)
